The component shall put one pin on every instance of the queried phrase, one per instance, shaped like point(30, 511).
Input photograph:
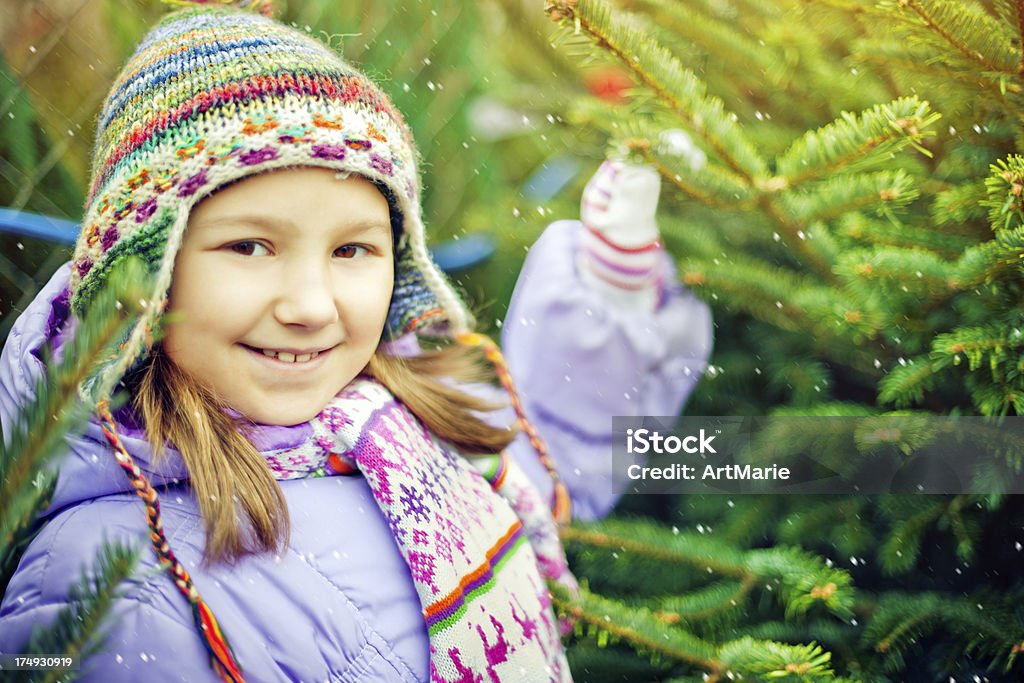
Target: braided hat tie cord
point(561, 503)
point(214, 640)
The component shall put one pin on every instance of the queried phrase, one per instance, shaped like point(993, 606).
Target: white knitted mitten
point(620, 251)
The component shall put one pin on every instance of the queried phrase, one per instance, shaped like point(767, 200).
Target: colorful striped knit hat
point(214, 94)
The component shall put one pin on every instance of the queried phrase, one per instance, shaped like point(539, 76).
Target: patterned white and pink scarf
point(478, 539)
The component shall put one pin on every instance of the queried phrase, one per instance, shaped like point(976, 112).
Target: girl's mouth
point(290, 357)
point(295, 357)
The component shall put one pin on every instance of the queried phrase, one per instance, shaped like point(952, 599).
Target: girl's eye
point(249, 249)
point(350, 251)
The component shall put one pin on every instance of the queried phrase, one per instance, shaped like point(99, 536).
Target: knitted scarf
point(477, 538)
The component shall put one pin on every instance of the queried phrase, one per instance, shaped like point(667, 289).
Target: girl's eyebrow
point(286, 225)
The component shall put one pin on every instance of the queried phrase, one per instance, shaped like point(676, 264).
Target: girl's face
point(281, 289)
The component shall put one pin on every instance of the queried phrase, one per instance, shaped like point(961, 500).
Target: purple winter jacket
point(339, 604)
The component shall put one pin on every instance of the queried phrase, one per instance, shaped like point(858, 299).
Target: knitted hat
point(214, 94)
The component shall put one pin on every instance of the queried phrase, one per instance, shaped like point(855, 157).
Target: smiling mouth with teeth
point(286, 357)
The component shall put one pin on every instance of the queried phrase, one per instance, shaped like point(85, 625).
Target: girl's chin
point(286, 400)
point(285, 413)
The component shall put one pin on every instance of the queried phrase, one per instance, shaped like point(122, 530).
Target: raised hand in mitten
point(620, 248)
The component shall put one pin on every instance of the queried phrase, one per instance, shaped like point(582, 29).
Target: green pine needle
point(36, 440)
point(676, 87)
point(770, 661)
point(857, 141)
point(77, 630)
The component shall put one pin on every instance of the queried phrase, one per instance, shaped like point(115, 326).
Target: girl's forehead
point(298, 191)
point(292, 179)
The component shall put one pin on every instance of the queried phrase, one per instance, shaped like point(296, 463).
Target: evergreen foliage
point(77, 631)
point(858, 230)
point(672, 595)
point(31, 449)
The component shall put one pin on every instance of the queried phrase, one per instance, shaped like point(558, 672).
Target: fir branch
point(961, 528)
point(901, 620)
point(805, 580)
point(826, 409)
point(912, 58)
point(999, 395)
point(37, 437)
point(959, 204)
point(852, 141)
point(648, 540)
point(749, 519)
point(778, 297)
point(992, 261)
point(837, 634)
point(832, 522)
point(899, 552)
point(994, 342)
point(642, 148)
point(761, 70)
point(950, 19)
point(793, 229)
point(884, 192)
point(675, 87)
point(778, 661)
point(640, 133)
point(689, 235)
point(637, 626)
point(22, 525)
point(904, 58)
point(768, 293)
point(1005, 188)
point(588, 661)
point(1020, 33)
point(895, 233)
point(839, 637)
point(866, 16)
point(76, 631)
point(539, 47)
point(705, 603)
point(830, 447)
point(638, 126)
point(804, 379)
point(905, 385)
point(915, 273)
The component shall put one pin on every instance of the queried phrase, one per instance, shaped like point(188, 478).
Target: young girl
point(321, 496)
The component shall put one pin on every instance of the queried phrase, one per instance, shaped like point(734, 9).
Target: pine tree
point(857, 230)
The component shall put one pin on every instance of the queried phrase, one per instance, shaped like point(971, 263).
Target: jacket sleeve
point(580, 357)
point(21, 366)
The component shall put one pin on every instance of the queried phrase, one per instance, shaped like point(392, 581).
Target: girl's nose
point(307, 298)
